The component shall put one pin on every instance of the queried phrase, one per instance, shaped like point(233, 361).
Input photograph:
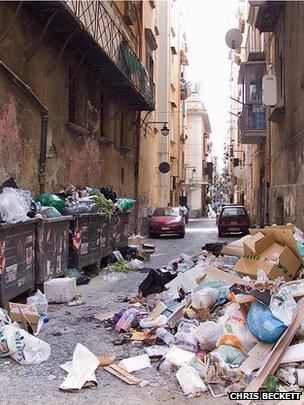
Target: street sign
point(164, 167)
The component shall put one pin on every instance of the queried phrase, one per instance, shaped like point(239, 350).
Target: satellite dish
point(164, 167)
point(234, 38)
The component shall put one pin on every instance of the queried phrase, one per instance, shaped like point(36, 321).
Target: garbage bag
point(230, 355)
point(124, 204)
point(283, 305)
point(38, 301)
point(155, 282)
point(22, 346)
point(51, 200)
point(263, 324)
point(49, 212)
point(13, 206)
point(208, 333)
point(10, 183)
point(109, 193)
point(84, 207)
point(234, 322)
point(205, 298)
point(135, 264)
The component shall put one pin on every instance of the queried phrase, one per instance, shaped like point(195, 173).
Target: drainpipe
point(43, 116)
point(137, 158)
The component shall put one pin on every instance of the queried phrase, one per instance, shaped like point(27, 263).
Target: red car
point(233, 219)
point(167, 221)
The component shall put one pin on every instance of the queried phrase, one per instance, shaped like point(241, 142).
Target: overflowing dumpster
point(52, 242)
point(17, 259)
point(88, 239)
point(120, 234)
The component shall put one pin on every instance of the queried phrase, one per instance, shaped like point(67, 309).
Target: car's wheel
point(220, 234)
point(181, 235)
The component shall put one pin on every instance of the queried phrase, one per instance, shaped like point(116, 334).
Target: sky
point(206, 26)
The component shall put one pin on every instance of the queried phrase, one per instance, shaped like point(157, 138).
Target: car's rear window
point(166, 212)
point(233, 212)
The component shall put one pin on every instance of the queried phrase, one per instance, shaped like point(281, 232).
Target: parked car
point(167, 221)
point(233, 219)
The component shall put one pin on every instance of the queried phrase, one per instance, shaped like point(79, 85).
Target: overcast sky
point(207, 24)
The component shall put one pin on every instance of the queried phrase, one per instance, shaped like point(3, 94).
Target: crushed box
point(60, 290)
point(23, 314)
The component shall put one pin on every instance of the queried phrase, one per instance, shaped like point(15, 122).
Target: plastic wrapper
point(4, 318)
point(124, 204)
point(283, 305)
point(126, 320)
point(263, 324)
point(51, 200)
point(39, 302)
point(135, 264)
point(230, 355)
point(13, 206)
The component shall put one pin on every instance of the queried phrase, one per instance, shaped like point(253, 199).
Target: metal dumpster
point(52, 241)
point(88, 239)
point(120, 234)
point(17, 259)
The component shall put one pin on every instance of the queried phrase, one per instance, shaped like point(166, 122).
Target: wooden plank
point(122, 374)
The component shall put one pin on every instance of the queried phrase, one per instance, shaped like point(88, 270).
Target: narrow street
point(71, 325)
point(198, 233)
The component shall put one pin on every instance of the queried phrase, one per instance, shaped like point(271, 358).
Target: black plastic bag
point(109, 193)
point(155, 282)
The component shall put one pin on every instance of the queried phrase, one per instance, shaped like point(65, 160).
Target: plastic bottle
point(164, 335)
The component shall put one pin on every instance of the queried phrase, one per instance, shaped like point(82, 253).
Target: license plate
point(165, 228)
point(235, 228)
point(233, 222)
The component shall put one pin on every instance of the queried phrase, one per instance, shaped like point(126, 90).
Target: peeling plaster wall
point(80, 160)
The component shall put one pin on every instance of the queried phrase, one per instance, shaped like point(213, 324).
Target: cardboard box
point(257, 243)
point(282, 234)
point(285, 264)
point(24, 315)
point(60, 290)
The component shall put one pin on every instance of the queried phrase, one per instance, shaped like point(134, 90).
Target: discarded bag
point(230, 355)
point(263, 324)
point(155, 282)
point(39, 302)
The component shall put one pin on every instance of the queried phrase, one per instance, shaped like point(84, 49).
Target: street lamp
point(164, 131)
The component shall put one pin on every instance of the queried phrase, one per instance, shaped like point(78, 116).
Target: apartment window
point(72, 96)
point(149, 61)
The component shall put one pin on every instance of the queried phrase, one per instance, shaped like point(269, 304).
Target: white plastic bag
point(13, 207)
point(39, 302)
point(205, 298)
point(208, 333)
point(135, 264)
point(283, 305)
point(22, 346)
point(4, 318)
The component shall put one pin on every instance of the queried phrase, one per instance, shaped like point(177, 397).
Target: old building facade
point(75, 79)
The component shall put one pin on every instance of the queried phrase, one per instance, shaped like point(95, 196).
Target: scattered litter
point(60, 290)
point(80, 370)
point(190, 381)
point(122, 374)
point(114, 277)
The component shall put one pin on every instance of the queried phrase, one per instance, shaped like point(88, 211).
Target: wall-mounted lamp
point(164, 130)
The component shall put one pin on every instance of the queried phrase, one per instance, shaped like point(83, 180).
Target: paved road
point(38, 384)
point(198, 233)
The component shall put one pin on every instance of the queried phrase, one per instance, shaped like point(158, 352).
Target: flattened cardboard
point(226, 277)
point(235, 248)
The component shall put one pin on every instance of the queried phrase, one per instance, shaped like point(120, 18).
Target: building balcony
point(252, 124)
point(127, 75)
point(268, 15)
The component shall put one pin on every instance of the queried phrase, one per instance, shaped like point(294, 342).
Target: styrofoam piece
point(179, 357)
point(190, 381)
point(135, 363)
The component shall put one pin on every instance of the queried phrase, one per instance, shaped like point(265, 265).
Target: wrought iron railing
point(253, 118)
point(99, 23)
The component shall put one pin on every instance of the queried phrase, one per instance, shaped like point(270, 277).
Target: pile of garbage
point(226, 323)
point(17, 205)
